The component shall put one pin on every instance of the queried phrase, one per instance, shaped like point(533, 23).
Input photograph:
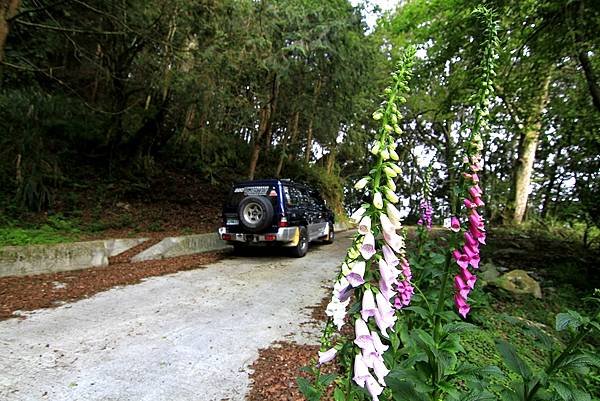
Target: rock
point(489, 272)
point(519, 282)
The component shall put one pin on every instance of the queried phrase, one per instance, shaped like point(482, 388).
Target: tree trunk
point(294, 137)
point(264, 128)
point(8, 9)
point(549, 189)
point(590, 77)
point(526, 157)
point(289, 136)
point(309, 131)
point(331, 159)
point(256, 146)
point(309, 138)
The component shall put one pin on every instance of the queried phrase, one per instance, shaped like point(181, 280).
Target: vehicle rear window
point(238, 193)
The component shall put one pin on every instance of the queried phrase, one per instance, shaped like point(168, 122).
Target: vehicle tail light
point(283, 222)
point(226, 237)
point(270, 237)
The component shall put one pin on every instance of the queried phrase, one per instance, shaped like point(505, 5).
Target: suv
point(275, 212)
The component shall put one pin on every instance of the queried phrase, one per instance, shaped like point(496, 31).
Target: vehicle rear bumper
point(286, 236)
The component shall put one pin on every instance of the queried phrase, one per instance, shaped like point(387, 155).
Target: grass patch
point(55, 230)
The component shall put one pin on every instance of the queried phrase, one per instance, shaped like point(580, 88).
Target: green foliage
point(55, 230)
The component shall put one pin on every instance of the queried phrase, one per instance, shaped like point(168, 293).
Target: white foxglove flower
point(357, 215)
point(364, 226)
point(392, 212)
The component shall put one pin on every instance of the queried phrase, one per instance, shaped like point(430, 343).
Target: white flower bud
point(377, 115)
point(345, 269)
point(389, 172)
point(395, 167)
point(397, 129)
point(376, 148)
point(392, 212)
point(360, 184)
point(378, 200)
point(390, 195)
point(388, 128)
point(357, 215)
point(391, 184)
point(394, 155)
point(385, 154)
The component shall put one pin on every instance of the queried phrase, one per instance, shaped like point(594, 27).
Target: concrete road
point(189, 336)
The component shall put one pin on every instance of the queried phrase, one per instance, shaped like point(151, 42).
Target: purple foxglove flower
point(469, 204)
point(369, 354)
point(361, 333)
point(478, 202)
point(475, 178)
point(374, 388)
point(327, 356)
point(462, 305)
point(384, 322)
point(469, 251)
point(390, 257)
point(361, 371)
point(342, 289)
point(367, 249)
point(355, 278)
point(461, 259)
point(368, 305)
point(380, 347)
point(364, 226)
point(474, 261)
point(420, 222)
point(468, 277)
point(405, 292)
point(381, 371)
point(454, 224)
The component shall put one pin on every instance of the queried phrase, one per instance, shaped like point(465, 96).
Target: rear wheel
point(302, 246)
point(330, 237)
point(256, 213)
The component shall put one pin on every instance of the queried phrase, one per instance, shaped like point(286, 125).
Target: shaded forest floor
point(168, 204)
point(566, 273)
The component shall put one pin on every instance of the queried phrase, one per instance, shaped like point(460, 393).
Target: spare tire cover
point(256, 213)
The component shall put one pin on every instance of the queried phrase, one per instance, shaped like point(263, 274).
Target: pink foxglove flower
point(461, 259)
point(327, 356)
point(462, 305)
point(454, 224)
point(367, 249)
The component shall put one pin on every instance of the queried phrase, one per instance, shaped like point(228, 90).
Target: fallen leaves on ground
point(49, 290)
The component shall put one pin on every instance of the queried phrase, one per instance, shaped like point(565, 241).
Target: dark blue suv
point(276, 212)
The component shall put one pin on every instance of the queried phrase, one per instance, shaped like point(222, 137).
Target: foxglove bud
point(385, 154)
point(393, 155)
point(390, 195)
point(376, 148)
point(390, 172)
point(377, 115)
point(378, 200)
point(360, 184)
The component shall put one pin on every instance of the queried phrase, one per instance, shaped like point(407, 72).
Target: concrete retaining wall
point(36, 259)
point(180, 246)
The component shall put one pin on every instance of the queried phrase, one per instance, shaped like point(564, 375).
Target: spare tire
point(256, 213)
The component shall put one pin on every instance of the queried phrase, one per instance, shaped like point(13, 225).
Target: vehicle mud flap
point(296, 238)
